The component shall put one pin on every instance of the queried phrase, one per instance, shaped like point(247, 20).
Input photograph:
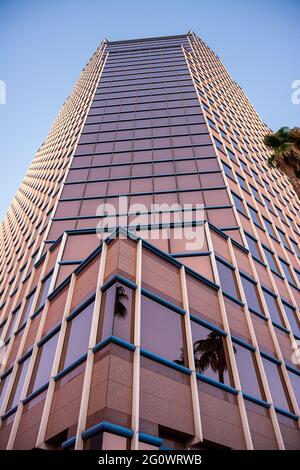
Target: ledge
point(108, 427)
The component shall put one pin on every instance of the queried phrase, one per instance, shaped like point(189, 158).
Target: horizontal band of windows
point(152, 72)
point(164, 62)
point(125, 214)
point(146, 193)
point(134, 128)
point(138, 86)
point(204, 132)
point(178, 109)
point(191, 147)
point(134, 163)
point(146, 106)
point(137, 118)
point(144, 69)
point(141, 177)
point(143, 58)
point(144, 84)
point(144, 99)
point(127, 96)
point(173, 52)
point(142, 79)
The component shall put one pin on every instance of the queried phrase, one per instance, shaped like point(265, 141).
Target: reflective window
point(162, 331)
point(18, 384)
point(252, 296)
point(227, 170)
point(241, 182)
point(238, 203)
point(43, 365)
point(12, 323)
point(43, 292)
point(227, 279)
point(287, 271)
point(292, 317)
point(275, 381)
point(3, 387)
point(77, 337)
point(254, 216)
point(210, 353)
point(295, 380)
point(269, 227)
point(253, 247)
point(271, 261)
point(27, 309)
point(117, 312)
point(273, 307)
point(219, 144)
point(248, 371)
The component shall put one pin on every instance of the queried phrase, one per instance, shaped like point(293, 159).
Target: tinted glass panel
point(77, 337)
point(227, 279)
point(118, 305)
point(251, 294)
point(210, 353)
point(273, 307)
point(19, 382)
point(247, 371)
point(292, 316)
point(44, 364)
point(276, 385)
point(161, 331)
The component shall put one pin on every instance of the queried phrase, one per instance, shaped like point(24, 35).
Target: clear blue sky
point(45, 43)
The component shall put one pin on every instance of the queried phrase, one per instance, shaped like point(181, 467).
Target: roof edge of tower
point(152, 38)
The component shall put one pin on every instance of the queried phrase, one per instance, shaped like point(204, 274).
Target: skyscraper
point(122, 326)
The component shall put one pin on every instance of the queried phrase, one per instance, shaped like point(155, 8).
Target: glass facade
point(91, 315)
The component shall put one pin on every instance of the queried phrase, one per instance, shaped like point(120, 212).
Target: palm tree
point(210, 352)
point(120, 309)
point(285, 144)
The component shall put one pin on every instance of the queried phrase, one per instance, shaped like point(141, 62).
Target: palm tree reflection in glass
point(120, 310)
point(209, 353)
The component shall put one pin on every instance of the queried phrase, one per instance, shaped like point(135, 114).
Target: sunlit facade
point(117, 340)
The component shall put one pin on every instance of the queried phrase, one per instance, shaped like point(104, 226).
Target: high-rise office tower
point(173, 337)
